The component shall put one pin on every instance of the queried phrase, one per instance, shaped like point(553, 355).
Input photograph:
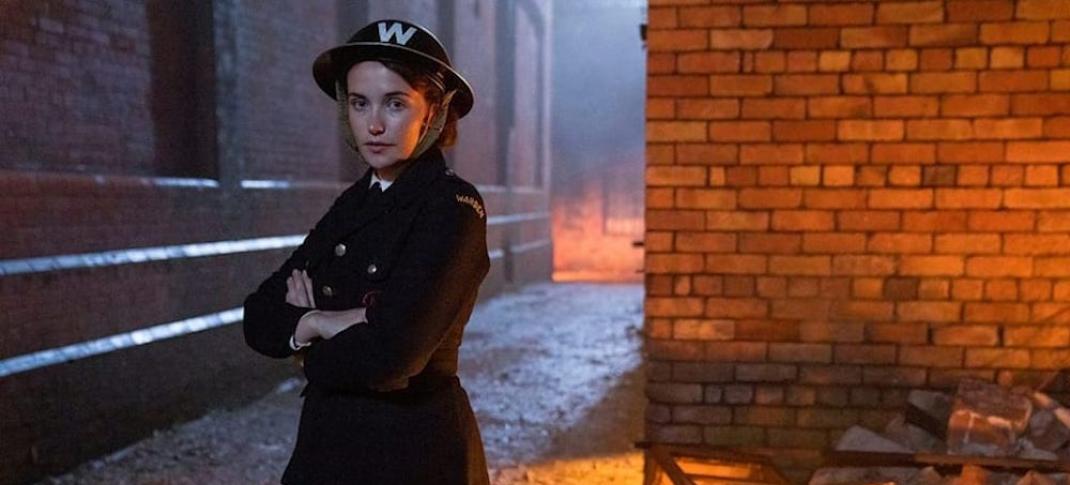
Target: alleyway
point(553, 371)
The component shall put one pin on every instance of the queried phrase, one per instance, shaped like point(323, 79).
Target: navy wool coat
point(383, 404)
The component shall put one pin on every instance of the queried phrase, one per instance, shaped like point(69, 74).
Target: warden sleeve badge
point(473, 203)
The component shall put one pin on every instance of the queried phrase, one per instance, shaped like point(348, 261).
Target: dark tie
point(375, 192)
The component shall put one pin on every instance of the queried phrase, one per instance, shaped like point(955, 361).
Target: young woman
point(376, 298)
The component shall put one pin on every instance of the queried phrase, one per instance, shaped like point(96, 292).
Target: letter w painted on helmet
point(395, 31)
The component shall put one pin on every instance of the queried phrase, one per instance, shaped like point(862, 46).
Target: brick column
point(846, 201)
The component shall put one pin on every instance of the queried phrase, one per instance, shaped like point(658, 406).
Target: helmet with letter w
point(396, 40)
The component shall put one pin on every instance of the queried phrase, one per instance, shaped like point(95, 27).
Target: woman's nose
point(375, 124)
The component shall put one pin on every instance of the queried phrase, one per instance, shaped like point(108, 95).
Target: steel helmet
point(397, 40)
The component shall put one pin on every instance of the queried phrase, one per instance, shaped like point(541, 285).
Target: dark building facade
point(160, 158)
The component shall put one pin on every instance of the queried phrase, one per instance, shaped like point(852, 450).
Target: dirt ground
point(554, 374)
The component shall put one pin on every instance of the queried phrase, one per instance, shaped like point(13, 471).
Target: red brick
point(735, 264)
point(771, 154)
point(707, 109)
point(1038, 151)
point(1009, 128)
point(1007, 58)
point(1001, 290)
point(968, 243)
point(838, 153)
point(1057, 127)
point(736, 221)
point(673, 263)
point(943, 35)
point(735, 307)
point(674, 307)
point(910, 13)
point(740, 84)
point(905, 106)
point(1060, 31)
point(863, 265)
point(934, 221)
point(789, 131)
point(936, 59)
point(674, 392)
point(1015, 33)
point(976, 105)
point(900, 243)
point(867, 310)
point(873, 37)
point(876, 83)
point(745, 39)
point(1013, 81)
point(1036, 244)
point(968, 198)
point(660, 62)
point(1036, 336)
point(1037, 198)
point(997, 312)
point(707, 154)
point(846, 14)
point(930, 356)
point(812, 417)
point(832, 242)
point(868, 61)
point(658, 241)
point(766, 330)
point(941, 82)
point(833, 198)
point(900, 198)
point(800, 265)
point(774, 175)
point(770, 243)
point(806, 84)
point(1044, 56)
point(945, 129)
point(970, 152)
point(675, 220)
point(979, 10)
point(1053, 221)
point(705, 199)
point(774, 108)
point(675, 176)
point(967, 335)
point(707, 62)
point(990, 266)
point(931, 265)
point(929, 311)
point(1042, 9)
point(669, 131)
point(1041, 104)
point(739, 131)
point(868, 220)
point(800, 353)
point(660, 108)
point(864, 354)
point(860, 130)
point(659, 154)
point(771, 16)
point(1036, 290)
point(735, 436)
point(719, 16)
point(677, 86)
point(840, 107)
point(676, 40)
point(1001, 220)
point(997, 358)
point(770, 61)
point(810, 38)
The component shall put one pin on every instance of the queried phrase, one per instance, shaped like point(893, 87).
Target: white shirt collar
point(383, 184)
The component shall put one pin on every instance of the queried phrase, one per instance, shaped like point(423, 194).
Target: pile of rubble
point(984, 434)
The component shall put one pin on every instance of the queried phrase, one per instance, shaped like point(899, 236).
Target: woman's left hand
point(299, 290)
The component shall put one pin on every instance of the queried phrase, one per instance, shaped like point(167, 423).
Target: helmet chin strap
point(430, 132)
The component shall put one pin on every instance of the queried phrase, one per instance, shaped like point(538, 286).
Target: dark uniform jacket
point(383, 403)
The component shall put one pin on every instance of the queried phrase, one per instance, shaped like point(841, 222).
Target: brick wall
point(848, 200)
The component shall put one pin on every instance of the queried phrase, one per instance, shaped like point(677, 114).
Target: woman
point(377, 296)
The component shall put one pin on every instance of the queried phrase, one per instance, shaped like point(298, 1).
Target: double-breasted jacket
point(383, 403)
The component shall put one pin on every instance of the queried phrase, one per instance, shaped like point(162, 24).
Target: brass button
point(328, 291)
point(340, 250)
point(372, 268)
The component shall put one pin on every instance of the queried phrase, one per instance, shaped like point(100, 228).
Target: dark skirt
point(422, 437)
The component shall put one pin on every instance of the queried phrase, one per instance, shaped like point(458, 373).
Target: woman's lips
point(377, 147)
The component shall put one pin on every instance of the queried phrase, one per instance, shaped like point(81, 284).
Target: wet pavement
point(553, 371)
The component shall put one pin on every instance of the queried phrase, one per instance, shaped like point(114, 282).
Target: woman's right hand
point(329, 324)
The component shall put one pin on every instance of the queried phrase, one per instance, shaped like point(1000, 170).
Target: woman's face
point(386, 115)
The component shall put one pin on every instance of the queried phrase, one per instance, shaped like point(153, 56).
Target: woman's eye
point(358, 103)
point(396, 104)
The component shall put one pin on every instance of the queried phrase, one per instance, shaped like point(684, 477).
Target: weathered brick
point(976, 105)
point(967, 243)
point(736, 264)
point(970, 152)
point(834, 61)
point(900, 243)
point(1037, 198)
point(774, 108)
point(715, 16)
point(1013, 81)
point(943, 82)
point(874, 37)
point(806, 38)
point(966, 335)
point(842, 14)
point(876, 83)
point(900, 198)
point(736, 221)
point(905, 106)
point(1036, 336)
point(972, 58)
point(951, 35)
point(707, 154)
point(676, 40)
point(910, 13)
point(804, 131)
point(1042, 9)
point(1015, 32)
point(740, 131)
point(860, 130)
point(936, 59)
point(990, 266)
point(1007, 58)
point(931, 356)
point(945, 129)
point(997, 358)
point(868, 220)
point(669, 131)
point(707, 62)
point(929, 311)
point(675, 176)
point(745, 39)
point(979, 10)
point(740, 84)
point(806, 84)
point(1009, 128)
point(838, 153)
point(707, 109)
